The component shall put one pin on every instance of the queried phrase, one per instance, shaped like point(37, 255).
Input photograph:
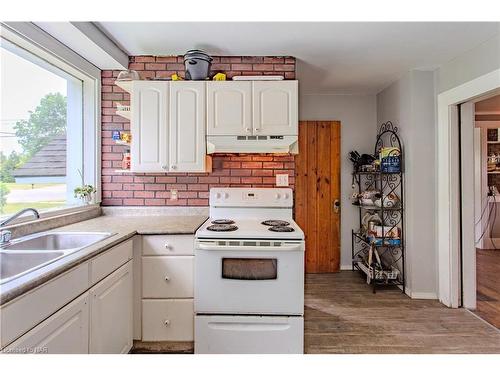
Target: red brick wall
point(229, 170)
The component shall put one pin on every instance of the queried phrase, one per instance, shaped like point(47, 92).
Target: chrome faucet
point(6, 235)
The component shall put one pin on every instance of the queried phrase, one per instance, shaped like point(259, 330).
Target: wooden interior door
point(317, 189)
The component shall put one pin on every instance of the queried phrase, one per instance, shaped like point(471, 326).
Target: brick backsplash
point(229, 170)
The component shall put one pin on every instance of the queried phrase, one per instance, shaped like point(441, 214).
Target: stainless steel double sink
point(26, 254)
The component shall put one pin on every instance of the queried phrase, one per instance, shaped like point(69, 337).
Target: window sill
point(50, 214)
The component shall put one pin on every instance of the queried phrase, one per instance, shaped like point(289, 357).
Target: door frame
point(448, 190)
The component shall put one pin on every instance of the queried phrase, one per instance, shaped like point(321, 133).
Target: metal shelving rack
point(390, 252)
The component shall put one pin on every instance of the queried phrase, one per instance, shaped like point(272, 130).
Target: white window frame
point(32, 39)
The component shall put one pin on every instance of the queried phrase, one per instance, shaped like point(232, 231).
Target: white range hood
point(268, 144)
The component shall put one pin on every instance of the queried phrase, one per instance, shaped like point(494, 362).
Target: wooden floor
point(342, 315)
point(488, 286)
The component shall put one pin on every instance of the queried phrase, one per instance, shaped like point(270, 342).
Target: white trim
point(447, 186)
point(423, 295)
point(469, 179)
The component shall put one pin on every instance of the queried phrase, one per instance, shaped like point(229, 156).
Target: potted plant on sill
point(84, 192)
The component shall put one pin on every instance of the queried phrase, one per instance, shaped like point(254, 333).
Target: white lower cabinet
point(167, 288)
point(111, 328)
point(65, 332)
point(168, 320)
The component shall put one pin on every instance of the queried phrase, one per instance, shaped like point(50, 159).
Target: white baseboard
point(346, 267)
point(419, 295)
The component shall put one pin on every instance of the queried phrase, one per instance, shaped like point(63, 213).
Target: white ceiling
point(333, 57)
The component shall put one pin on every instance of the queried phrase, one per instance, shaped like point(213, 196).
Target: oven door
point(249, 277)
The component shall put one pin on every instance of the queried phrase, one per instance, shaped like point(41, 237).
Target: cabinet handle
point(164, 167)
point(168, 247)
point(167, 278)
point(167, 322)
point(258, 129)
point(248, 130)
point(173, 166)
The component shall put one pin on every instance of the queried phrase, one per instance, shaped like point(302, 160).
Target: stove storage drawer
point(168, 320)
point(225, 334)
point(179, 244)
point(167, 277)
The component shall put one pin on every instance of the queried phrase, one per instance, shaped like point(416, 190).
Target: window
point(46, 138)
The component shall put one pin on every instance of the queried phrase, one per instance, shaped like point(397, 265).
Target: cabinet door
point(275, 108)
point(229, 108)
point(111, 313)
point(187, 127)
point(149, 127)
point(65, 332)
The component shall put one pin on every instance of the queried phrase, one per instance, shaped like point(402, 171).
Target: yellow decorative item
point(219, 77)
point(175, 77)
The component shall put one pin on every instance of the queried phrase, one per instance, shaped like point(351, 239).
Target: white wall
point(478, 61)
point(358, 117)
point(410, 104)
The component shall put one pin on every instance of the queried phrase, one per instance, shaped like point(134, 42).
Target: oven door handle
point(292, 247)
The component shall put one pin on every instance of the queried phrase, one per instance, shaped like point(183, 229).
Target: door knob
point(167, 278)
point(167, 322)
point(336, 206)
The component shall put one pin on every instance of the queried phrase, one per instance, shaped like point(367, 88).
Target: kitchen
point(206, 196)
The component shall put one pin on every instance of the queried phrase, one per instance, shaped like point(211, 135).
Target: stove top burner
point(281, 228)
point(222, 227)
point(277, 223)
point(222, 221)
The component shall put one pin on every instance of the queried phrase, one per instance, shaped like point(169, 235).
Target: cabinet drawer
point(167, 320)
point(168, 245)
point(167, 277)
point(25, 312)
point(109, 261)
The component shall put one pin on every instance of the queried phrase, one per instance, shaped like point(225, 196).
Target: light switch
point(281, 180)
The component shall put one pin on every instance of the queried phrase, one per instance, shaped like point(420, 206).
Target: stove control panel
point(251, 197)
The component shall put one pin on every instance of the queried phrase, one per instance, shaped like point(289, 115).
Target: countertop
point(123, 227)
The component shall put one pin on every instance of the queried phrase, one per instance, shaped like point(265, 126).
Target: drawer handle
point(167, 322)
point(167, 278)
point(168, 246)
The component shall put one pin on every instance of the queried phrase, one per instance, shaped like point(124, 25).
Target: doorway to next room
point(486, 117)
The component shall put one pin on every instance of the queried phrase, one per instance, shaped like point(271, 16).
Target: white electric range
point(249, 274)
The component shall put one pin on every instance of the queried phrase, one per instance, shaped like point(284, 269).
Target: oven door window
point(249, 269)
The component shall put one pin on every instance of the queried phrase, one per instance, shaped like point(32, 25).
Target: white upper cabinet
point(111, 309)
point(229, 108)
point(149, 126)
point(187, 126)
point(275, 109)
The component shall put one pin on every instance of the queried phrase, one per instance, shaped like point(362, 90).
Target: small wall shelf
point(122, 143)
point(125, 114)
point(125, 85)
